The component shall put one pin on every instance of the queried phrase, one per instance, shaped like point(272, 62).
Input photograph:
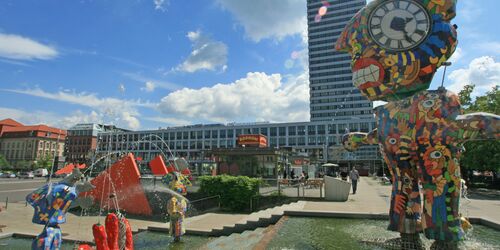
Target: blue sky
point(142, 64)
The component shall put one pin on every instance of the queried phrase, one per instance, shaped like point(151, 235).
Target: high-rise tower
point(332, 93)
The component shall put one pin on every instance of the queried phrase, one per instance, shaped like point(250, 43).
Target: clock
point(398, 25)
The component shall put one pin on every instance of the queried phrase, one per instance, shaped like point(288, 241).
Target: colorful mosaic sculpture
point(176, 205)
point(51, 202)
point(396, 47)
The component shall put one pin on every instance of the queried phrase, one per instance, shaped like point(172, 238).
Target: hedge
point(235, 191)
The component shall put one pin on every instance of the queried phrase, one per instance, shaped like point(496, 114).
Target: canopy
point(69, 168)
point(330, 165)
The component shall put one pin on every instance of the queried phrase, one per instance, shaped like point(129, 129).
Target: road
point(17, 189)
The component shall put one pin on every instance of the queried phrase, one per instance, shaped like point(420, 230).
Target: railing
point(199, 206)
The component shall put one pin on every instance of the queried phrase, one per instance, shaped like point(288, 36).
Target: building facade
point(81, 141)
point(23, 145)
point(332, 93)
point(320, 140)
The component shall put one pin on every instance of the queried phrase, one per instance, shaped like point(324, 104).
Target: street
point(17, 189)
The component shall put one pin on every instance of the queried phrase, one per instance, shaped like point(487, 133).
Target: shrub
point(235, 191)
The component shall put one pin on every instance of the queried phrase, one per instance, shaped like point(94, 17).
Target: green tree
point(4, 164)
point(481, 155)
point(45, 161)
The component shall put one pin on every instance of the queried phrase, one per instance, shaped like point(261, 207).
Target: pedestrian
point(354, 175)
point(292, 175)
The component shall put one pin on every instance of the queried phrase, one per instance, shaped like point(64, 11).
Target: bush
point(235, 191)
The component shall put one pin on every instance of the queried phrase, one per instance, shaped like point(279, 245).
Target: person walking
point(354, 175)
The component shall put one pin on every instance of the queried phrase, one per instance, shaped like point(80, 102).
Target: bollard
point(6, 202)
point(298, 191)
point(279, 188)
point(321, 191)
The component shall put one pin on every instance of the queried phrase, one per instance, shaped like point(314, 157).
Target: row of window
point(78, 141)
point(342, 106)
point(334, 66)
point(335, 14)
point(179, 145)
point(331, 34)
point(79, 132)
point(327, 41)
point(318, 3)
point(340, 99)
point(341, 113)
point(332, 86)
point(336, 59)
point(333, 27)
point(334, 79)
point(331, 73)
point(334, 93)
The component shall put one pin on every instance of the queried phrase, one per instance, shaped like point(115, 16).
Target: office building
point(332, 93)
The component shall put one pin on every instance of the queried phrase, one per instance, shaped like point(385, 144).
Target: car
point(12, 175)
point(26, 175)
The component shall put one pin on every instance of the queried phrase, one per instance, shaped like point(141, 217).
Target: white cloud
point(160, 4)
point(207, 54)
point(483, 72)
point(21, 48)
point(109, 110)
point(169, 120)
point(268, 18)
point(149, 87)
point(49, 118)
point(157, 83)
point(257, 97)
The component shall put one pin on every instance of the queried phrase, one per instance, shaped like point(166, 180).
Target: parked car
point(26, 175)
point(41, 172)
point(12, 175)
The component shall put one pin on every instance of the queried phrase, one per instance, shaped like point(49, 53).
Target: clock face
point(399, 25)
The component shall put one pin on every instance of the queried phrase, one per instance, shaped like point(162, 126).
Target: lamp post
point(445, 64)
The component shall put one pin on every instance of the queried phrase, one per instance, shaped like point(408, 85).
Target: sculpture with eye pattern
point(396, 48)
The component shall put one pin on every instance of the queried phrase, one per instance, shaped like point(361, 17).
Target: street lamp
point(445, 64)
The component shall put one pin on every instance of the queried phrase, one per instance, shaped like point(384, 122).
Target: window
point(311, 140)
point(292, 130)
point(311, 130)
point(332, 129)
point(301, 141)
point(364, 127)
point(321, 129)
point(255, 130)
point(214, 134)
point(263, 131)
point(207, 134)
point(230, 133)
point(301, 130)
point(222, 133)
point(273, 131)
point(292, 141)
point(282, 131)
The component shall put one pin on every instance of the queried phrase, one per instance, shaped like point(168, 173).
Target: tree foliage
point(481, 155)
point(45, 161)
point(3, 162)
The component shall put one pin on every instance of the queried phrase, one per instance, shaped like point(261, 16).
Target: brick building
point(23, 145)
